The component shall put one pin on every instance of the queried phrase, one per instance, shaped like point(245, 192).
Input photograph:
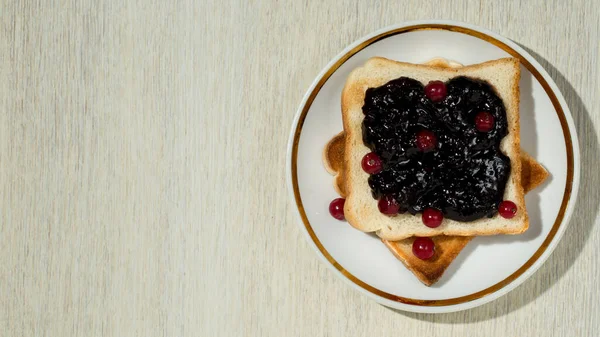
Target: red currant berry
point(423, 248)
point(426, 140)
point(371, 163)
point(388, 205)
point(336, 208)
point(435, 91)
point(432, 218)
point(507, 209)
point(484, 122)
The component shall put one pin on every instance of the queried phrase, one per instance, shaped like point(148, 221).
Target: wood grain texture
point(142, 180)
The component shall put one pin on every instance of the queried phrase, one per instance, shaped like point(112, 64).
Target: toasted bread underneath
point(361, 209)
point(429, 271)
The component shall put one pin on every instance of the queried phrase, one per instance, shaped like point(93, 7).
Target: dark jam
point(465, 175)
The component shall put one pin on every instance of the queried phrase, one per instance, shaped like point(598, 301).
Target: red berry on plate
point(388, 205)
point(426, 140)
point(507, 209)
point(371, 163)
point(435, 91)
point(432, 218)
point(484, 122)
point(336, 208)
point(423, 248)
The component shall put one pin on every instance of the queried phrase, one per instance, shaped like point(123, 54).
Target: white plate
point(488, 267)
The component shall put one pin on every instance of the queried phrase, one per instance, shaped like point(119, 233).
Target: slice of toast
point(360, 207)
point(429, 271)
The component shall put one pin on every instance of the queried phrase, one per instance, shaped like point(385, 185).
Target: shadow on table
point(575, 236)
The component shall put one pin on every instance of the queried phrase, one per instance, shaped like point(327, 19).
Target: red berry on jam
point(371, 163)
point(426, 140)
point(388, 205)
point(423, 248)
point(336, 208)
point(507, 209)
point(432, 218)
point(436, 91)
point(484, 122)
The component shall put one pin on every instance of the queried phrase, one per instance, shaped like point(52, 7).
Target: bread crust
point(361, 209)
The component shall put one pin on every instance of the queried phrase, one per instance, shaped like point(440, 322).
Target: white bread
point(448, 248)
point(360, 207)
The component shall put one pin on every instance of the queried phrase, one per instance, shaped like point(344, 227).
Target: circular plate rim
point(439, 306)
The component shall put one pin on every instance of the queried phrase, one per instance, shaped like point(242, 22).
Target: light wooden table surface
point(142, 180)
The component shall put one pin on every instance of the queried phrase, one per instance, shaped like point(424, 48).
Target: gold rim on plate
point(557, 222)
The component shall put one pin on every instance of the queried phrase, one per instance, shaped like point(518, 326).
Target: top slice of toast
point(360, 207)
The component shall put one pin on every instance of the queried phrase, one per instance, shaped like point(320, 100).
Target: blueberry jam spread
point(439, 146)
